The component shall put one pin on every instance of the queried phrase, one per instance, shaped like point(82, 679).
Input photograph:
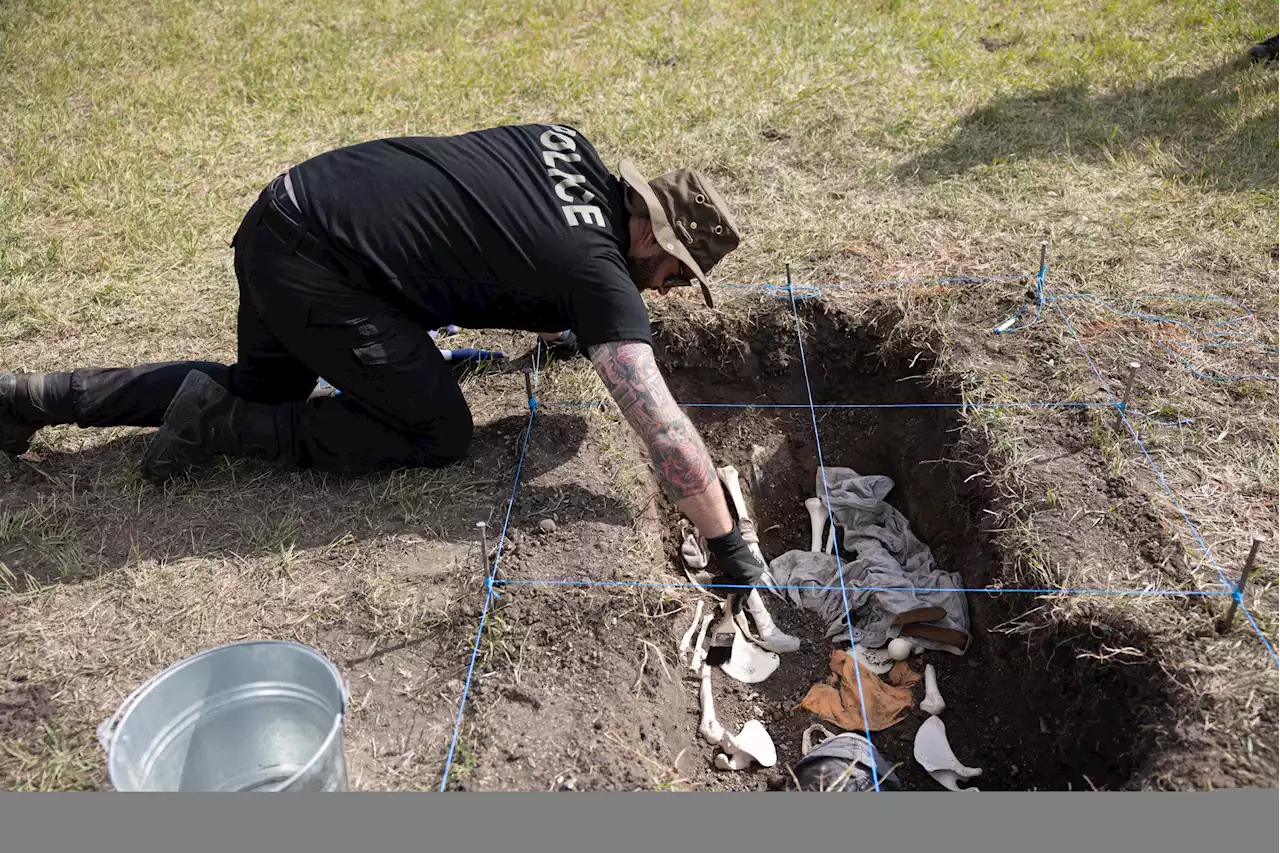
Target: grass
point(863, 141)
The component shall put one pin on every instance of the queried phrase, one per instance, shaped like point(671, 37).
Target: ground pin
point(1124, 402)
point(528, 385)
point(1225, 624)
point(1044, 248)
point(482, 529)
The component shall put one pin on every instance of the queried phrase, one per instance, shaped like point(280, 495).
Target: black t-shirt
point(518, 227)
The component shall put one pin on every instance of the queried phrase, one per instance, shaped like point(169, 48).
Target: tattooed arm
point(684, 466)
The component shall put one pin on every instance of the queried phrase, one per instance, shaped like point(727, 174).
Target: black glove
point(735, 563)
point(566, 346)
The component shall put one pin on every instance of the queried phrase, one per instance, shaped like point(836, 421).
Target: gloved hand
point(567, 345)
point(735, 563)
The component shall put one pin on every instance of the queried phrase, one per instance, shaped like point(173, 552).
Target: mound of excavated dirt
point(583, 690)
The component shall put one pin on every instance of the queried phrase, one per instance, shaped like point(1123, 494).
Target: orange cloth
point(886, 705)
point(903, 675)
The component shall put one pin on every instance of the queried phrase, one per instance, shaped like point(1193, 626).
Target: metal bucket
point(253, 716)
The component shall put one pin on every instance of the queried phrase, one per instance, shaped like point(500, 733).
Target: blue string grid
point(794, 293)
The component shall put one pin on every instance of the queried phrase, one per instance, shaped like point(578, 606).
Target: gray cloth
point(888, 556)
point(827, 767)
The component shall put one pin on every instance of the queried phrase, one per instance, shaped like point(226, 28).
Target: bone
point(759, 456)
point(934, 754)
point(817, 519)
point(686, 642)
point(729, 476)
point(733, 761)
point(753, 741)
point(876, 660)
point(698, 652)
point(831, 540)
point(932, 702)
point(747, 662)
point(770, 637)
point(899, 649)
point(709, 727)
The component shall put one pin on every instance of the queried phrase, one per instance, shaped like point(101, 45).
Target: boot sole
point(15, 439)
point(170, 455)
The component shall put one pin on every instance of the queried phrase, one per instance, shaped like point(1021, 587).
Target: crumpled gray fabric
point(827, 766)
point(888, 555)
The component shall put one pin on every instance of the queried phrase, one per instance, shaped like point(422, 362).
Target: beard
point(643, 271)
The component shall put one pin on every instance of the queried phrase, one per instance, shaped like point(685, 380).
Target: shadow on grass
point(1182, 117)
point(71, 517)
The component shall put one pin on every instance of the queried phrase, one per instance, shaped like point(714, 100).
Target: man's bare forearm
point(685, 468)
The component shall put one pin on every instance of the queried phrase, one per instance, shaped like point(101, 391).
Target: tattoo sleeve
point(632, 377)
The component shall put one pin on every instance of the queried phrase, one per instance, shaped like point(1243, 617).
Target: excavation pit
point(1037, 711)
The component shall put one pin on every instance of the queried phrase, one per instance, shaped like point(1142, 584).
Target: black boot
point(203, 420)
point(29, 401)
point(1266, 50)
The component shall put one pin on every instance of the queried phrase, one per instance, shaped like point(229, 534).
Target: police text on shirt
point(559, 150)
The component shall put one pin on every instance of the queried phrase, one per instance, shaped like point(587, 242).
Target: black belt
point(282, 219)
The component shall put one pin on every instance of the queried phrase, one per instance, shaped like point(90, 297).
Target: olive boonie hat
point(690, 219)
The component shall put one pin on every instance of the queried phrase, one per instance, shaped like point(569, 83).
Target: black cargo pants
point(307, 310)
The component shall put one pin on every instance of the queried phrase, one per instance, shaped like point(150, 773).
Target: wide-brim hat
point(690, 219)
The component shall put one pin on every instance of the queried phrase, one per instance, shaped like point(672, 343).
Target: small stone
point(597, 725)
point(547, 526)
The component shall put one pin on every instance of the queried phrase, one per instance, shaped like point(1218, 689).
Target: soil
point(576, 699)
point(576, 683)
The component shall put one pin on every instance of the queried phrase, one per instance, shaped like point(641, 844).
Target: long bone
point(817, 520)
point(768, 636)
point(932, 702)
point(686, 642)
point(698, 651)
point(751, 743)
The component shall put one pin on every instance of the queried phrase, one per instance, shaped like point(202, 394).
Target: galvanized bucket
point(261, 715)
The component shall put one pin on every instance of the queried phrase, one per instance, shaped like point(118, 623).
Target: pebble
point(547, 526)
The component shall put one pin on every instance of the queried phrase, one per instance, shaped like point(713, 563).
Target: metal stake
point(1044, 247)
point(1124, 403)
point(484, 547)
point(787, 265)
point(528, 384)
point(1225, 624)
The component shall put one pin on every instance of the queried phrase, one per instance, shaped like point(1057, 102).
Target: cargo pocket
point(381, 340)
